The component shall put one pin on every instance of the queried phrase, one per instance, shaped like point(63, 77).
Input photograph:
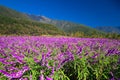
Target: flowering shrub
point(63, 58)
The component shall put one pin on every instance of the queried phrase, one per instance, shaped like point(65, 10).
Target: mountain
point(16, 23)
point(68, 27)
point(109, 29)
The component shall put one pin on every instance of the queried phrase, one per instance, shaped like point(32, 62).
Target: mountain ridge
point(66, 26)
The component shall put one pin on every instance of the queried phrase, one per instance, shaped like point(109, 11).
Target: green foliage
point(82, 69)
point(113, 36)
point(34, 68)
point(95, 34)
point(60, 75)
point(77, 69)
point(2, 77)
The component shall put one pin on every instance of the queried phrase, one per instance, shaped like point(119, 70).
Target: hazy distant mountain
point(68, 27)
point(16, 23)
point(109, 29)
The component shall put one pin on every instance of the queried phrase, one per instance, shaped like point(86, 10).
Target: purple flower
point(95, 55)
point(86, 54)
point(23, 79)
point(110, 51)
point(47, 78)
point(36, 60)
point(79, 50)
point(15, 75)
point(30, 77)
point(64, 61)
point(41, 77)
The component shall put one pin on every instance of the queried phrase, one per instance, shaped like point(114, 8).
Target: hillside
point(5, 11)
point(16, 23)
point(68, 27)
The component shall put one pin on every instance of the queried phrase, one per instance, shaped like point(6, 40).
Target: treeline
point(95, 34)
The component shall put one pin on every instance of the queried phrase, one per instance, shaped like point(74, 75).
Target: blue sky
point(88, 12)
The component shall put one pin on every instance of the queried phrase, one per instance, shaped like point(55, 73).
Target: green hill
point(4, 11)
point(16, 23)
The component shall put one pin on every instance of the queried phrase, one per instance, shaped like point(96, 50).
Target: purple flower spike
point(47, 78)
point(30, 77)
point(15, 75)
point(95, 55)
point(79, 50)
point(41, 77)
point(23, 79)
point(36, 60)
point(112, 79)
point(86, 54)
point(110, 52)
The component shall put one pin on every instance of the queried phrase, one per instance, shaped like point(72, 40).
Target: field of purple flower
point(61, 58)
